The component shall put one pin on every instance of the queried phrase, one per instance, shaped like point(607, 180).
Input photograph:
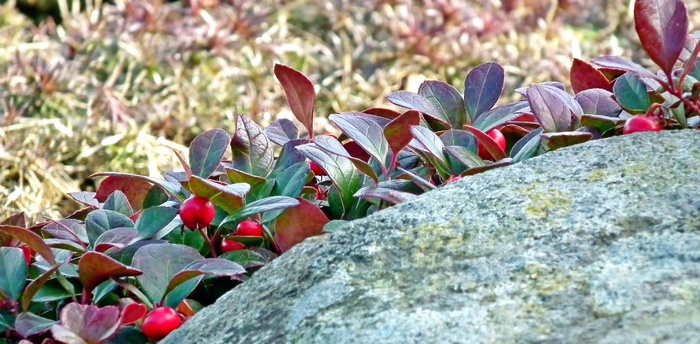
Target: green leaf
point(252, 150)
point(160, 263)
point(118, 202)
point(206, 151)
point(35, 286)
point(631, 93)
point(29, 324)
point(500, 116)
point(13, 272)
point(260, 206)
point(429, 144)
point(291, 181)
point(482, 88)
point(447, 100)
point(226, 196)
point(366, 132)
point(100, 221)
point(153, 219)
point(246, 258)
point(210, 267)
point(528, 146)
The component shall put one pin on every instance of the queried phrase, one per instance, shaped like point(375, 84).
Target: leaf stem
point(209, 242)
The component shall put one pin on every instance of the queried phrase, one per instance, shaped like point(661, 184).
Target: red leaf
point(398, 131)
point(298, 223)
point(134, 189)
point(488, 143)
point(132, 312)
point(95, 268)
point(300, 94)
point(662, 26)
point(584, 76)
point(382, 112)
point(34, 241)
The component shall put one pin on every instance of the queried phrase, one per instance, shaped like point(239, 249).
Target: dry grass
point(117, 87)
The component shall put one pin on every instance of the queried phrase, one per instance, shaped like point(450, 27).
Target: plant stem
point(209, 242)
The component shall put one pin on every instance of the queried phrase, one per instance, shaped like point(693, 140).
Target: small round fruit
point(160, 322)
point(28, 253)
point(317, 169)
point(249, 228)
point(231, 245)
point(197, 212)
point(641, 123)
point(497, 136)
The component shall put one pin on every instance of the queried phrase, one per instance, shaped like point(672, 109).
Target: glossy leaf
point(282, 131)
point(602, 123)
point(368, 134)
point(206, 151)
point(13, 272)
point(584, 76)
point(461, 138)
point(291, 181)
point(252, 150)
point(118, 202)
point(662, 26)
point(160, 263)
point(597, 101)
point(139, 185)
point(153, 219)
point(551, 111)
point(116, 237)
point(229, 197)
point(298, 223)
point(300, 94)
point(245, 258)
point(132, 312)
point(95, 268)
point(328, 145)
point(481, 169)
point(86, 198)
point(500, 116)
point(34, 241)
point(414, 101)
point(398, 131)
point(289, 155)
point(482, 88)
point(100, 221)
point(429, 143)
point(382, 112)
point(464, 156)
point(527, 147)
point(446, 99)
point(488, 143)
point(210, 267)
point(34, 286)
point(392, 191)
point(67, 229)
point(631, 93)
point(260, 206)
point(564, 139)
point(29, 324)
point(620, 64)
point(86, 323)
point(17, 220)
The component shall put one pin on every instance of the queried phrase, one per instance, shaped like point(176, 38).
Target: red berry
point(249, 228)
point(231, 245)
point(317, 169)
point(641, 123)
point(28, 253)
point(197, 212)
point(497, 136)
point(160, 322)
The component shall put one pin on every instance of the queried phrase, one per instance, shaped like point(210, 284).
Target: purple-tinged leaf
point(550, 109)
point(620, 64)
point(100, 221)
point(118, 202)
point(300, 94)
point(583, 76)
point(631, 93)
point(261, 206)
point(488, 143)
point(464, 156)
point(67, 229)
point(117, 237)
point(429, 144)
point(596, 101)
point(290, 155)
point(527, 147)
point(382, 112)
point(136, 184)
point(662, 26)
point(368, 134)
point(341, 170)
point(461, 138)
point(297, 223)
point(418, 176)
point(152, 220)
point(86, 323)
point(34, 241)
point(446, 99)
point(212, 267)
point(327, 144)
point(252, 150)
point(17, 220)
point(500, 115)
point(95, 268)
point(160, 263)
point(85, 198)
point(206, 151)
point(564, 139)
point(482, 88)
point(476, 170)
point(414, 101)
point(229, 197)
point(282, 131)
point(602, 123)
point(29, 324)
point(13, 269)
point(393, 191)
point(398, 131)
point(34, 286)
point(558, 85)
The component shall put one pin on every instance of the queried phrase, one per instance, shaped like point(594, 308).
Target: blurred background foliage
point(116, 86)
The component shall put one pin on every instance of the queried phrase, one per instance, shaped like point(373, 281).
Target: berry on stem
point(231, 245)
point(160, 322)
point(197, 212)
point(497, 136)
point(641, 123)
point(249, 228)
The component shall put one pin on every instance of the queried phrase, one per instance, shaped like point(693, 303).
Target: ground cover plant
point(143, 253)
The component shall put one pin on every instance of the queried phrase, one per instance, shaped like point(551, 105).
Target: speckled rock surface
point(598, 243)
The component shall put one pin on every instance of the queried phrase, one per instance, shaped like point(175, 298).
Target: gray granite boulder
point(597, 243)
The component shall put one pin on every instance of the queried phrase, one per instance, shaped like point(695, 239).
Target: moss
point(545, 201)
